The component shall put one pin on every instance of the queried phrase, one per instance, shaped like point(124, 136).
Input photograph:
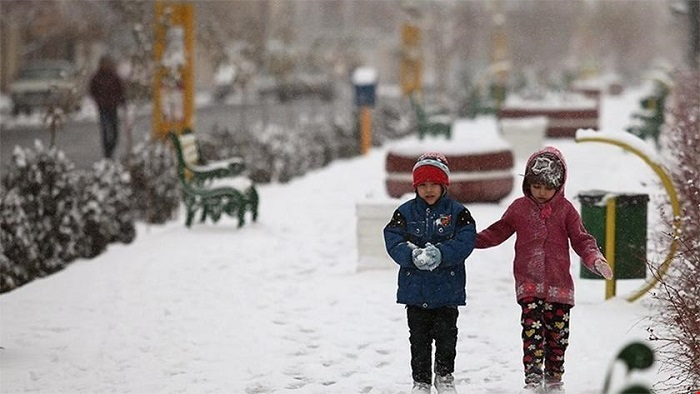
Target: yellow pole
point(365, 129)
point(158, 48)
point(610, 212)
point(411, 64)
point(675, 206)
point(173, 17)
point(187, 21)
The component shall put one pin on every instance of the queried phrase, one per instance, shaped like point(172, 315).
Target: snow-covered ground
point(278, 306)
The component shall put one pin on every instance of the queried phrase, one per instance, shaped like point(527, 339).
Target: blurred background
point(250, 42)
point(265, 64)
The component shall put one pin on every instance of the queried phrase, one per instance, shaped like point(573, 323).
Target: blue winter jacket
point(448, 225)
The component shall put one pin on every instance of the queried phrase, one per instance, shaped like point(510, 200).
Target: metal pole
point(610, 212)
point(365, 129)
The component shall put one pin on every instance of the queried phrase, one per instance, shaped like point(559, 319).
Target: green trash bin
point(630, 230)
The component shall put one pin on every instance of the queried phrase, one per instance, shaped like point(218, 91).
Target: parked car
point(298, 86)
point(45, 83)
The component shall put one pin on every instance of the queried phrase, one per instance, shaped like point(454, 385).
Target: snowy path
point(278, 307)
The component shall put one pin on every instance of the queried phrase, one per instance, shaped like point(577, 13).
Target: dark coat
point(107, 89)
point(449, 226)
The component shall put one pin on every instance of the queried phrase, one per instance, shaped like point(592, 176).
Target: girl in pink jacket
point(544, 222)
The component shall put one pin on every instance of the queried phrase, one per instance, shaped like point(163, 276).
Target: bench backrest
point(188, 145)
point(181, 161)
point(420, 114)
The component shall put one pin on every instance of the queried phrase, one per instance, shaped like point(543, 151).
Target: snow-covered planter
point(596, 87)
point(592, 89)
point(372, 216)
point(525, 135)
point(480, 160)
point(565, 113)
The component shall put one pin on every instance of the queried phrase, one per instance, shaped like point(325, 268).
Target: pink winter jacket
point(542, 265)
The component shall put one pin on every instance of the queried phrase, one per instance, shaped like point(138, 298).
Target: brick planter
point(481, 171)
point(564, 117)
point(484, 177)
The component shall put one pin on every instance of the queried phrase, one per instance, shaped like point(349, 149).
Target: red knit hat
point(431, 167)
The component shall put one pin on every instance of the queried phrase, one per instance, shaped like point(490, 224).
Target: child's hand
point(415, 253)
point(434, 256)
point(428, 258)
point(602, 267)
point(420, 259)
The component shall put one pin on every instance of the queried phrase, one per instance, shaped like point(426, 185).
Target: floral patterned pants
point(545, 339)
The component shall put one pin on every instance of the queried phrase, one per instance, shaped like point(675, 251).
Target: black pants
point(109, 124)
point(426, 326)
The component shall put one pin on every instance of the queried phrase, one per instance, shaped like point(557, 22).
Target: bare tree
point(676, 323)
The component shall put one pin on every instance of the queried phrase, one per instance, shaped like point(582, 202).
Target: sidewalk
point(278, 307)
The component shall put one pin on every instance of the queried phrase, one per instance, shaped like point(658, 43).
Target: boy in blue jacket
point(429, 237)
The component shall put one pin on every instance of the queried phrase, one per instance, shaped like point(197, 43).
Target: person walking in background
point(429, 237)
point(544, 222)
point(107, 89)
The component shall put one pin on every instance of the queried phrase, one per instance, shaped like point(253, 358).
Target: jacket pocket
point(410, 291)
point(448, 287)
point(416, 232)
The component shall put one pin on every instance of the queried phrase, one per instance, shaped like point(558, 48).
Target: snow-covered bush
point(223, 143)
point(18, 247)
point(677, 321)
point(347, 136)
point(394, 119)
point(105, 208)
point(154, 182)
point(46, 188)
point(322, 149)
point(276, 154)
point(51, 213)
point(278, 150)
point(11, 274)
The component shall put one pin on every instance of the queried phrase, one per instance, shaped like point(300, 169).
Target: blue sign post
point(365, 81)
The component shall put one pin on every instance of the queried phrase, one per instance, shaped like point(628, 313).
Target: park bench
point(214, 188)
point(431, 123)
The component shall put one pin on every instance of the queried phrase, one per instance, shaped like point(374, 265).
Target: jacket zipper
point(427, 223)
